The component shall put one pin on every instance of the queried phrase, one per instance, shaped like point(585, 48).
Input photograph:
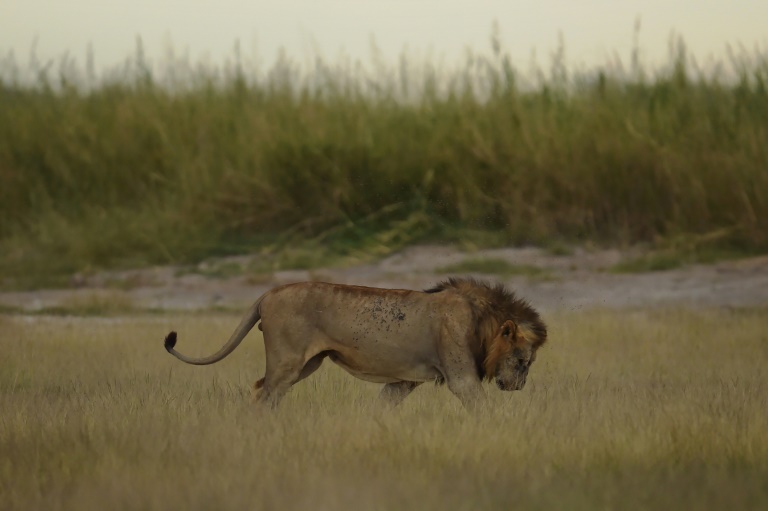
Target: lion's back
point(361, 314)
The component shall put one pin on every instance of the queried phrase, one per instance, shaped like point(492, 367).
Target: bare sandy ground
point(568, 282)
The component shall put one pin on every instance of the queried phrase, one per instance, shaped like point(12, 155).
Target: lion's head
point(510, 356)
point(509, 331)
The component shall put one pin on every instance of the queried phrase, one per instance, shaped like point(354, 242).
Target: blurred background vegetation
point(176, 162)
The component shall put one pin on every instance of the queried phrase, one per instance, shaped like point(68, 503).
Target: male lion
point(459, 332)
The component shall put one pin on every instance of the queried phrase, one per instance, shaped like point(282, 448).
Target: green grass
point(495, 267)
point(682, 251)
point(653, 261)
point(97, 303)
point(558, 248)
point(340, 165)
point(623, 410)
point(215, 269)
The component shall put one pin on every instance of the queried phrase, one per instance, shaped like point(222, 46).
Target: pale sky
point(593, 30)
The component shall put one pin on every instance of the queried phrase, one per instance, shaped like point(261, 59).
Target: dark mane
point(492, 304)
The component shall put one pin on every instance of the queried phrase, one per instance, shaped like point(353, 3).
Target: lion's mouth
point(516, 385)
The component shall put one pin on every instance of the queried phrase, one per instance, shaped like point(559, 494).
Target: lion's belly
point(386, 339)
point(384, 370)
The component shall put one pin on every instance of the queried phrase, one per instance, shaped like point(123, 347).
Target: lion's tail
point(249, 320)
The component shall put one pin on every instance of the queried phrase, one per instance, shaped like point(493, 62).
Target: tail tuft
point(170, 341)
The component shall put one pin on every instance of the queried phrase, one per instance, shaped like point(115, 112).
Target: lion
point(460, 332)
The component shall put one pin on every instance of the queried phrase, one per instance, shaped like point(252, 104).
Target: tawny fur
point(459, 332)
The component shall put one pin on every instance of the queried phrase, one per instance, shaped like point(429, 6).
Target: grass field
point(623, 410)
point(173, 162)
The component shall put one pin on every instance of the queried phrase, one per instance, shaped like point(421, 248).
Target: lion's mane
point(492, 305)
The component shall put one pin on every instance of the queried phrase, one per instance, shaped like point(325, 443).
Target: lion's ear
point(508, 330)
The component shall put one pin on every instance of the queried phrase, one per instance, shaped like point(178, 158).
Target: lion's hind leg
point(258, 384)
point(269, 392)
point(257, 390)
point(271, 389)
point(394, 393)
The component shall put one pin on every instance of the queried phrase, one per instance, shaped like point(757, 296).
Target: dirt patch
point(579, 280)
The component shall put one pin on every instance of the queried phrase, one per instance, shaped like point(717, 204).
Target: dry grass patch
point(630, 410)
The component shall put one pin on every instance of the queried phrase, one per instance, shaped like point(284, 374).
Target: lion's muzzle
point(513, 384)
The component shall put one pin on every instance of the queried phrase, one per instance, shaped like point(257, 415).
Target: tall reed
point(176, 162)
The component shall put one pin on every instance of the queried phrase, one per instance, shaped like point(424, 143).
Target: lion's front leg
point(394, 393)
point(469, 390)
point(460, 371)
